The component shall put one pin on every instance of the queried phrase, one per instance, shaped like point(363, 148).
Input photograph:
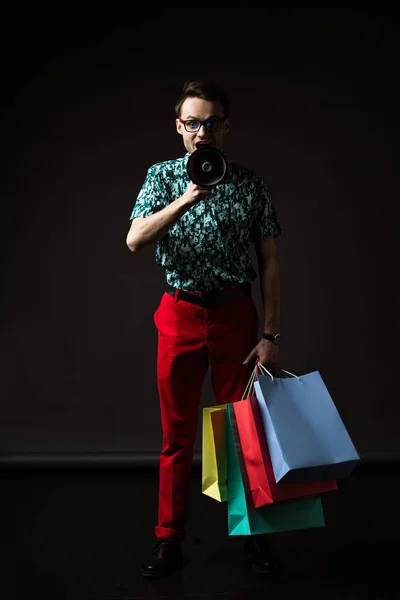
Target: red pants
point(189, 336)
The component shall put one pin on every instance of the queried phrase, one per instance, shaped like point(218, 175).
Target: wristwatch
point(276, 338)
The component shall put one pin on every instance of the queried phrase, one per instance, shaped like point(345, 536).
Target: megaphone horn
point(207, 166)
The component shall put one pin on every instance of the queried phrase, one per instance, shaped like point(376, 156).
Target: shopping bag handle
point(280, 369)
point(250, 384)
point(259, 365)
point(253, 376)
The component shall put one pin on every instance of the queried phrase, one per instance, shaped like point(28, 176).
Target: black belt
point(212, 299)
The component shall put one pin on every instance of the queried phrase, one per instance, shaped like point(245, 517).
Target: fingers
point(204, 191)
point(250, 357)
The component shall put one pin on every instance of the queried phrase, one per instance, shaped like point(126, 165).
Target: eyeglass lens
point(192, 125)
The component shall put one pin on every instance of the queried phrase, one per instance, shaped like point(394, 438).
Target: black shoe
point(262, 559)
point(166, 558)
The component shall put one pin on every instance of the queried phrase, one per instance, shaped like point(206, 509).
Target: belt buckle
point(203, 301)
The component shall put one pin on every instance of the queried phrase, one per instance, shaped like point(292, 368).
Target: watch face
point(278, 338)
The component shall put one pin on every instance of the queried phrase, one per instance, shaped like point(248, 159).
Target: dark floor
point(83, 535)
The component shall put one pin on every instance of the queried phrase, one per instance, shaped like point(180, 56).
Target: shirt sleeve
point(152, 197)
point(265, 219)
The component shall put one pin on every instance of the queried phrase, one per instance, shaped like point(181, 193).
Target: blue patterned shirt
point(207, 248)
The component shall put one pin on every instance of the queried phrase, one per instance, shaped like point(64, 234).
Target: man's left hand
point(265, 352)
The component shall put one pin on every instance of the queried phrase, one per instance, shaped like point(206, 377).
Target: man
point(207, 314)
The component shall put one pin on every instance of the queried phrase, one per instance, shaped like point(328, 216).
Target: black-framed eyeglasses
point(193, 125)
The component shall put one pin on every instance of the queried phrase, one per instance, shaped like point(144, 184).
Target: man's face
point(196, 109)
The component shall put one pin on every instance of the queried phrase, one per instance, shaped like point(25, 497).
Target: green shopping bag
point(243, 518)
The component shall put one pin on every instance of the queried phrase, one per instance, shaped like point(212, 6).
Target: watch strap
point(275, 338)
point(269, 336)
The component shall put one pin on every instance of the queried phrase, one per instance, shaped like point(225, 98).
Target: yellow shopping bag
point(214, 453)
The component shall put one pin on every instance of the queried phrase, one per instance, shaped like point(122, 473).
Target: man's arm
point(148, 230)
point(268, 268)
point(267, 352)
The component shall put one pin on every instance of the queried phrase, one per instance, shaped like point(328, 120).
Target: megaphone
point(207, 166)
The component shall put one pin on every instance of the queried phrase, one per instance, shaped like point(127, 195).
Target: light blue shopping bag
point(306, 437)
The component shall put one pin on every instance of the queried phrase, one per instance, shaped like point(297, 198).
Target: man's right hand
point(194, 194)
point(147, 230)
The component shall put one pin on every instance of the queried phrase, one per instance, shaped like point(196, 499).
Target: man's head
point(202, 112)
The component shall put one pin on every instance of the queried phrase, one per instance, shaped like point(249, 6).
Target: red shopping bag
point(260, 474)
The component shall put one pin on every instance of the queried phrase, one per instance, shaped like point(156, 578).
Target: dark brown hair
point(204, 90)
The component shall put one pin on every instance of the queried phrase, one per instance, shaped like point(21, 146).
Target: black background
point(88, 105)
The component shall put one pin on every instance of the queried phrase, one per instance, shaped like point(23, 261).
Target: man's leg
point(182, 363)
point(232, 334)
point(181, 368)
